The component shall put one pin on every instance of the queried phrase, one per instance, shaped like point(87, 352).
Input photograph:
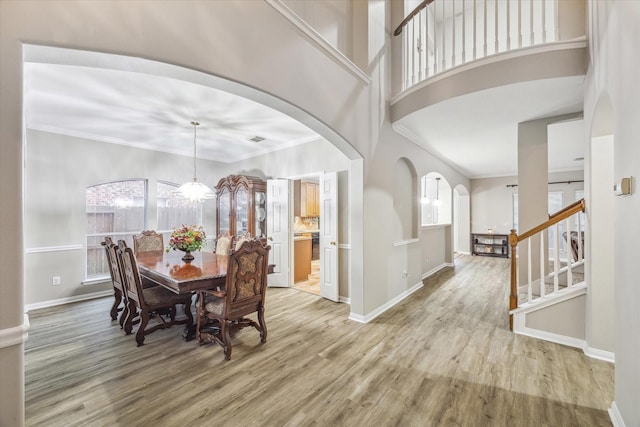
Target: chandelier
point(195, 191)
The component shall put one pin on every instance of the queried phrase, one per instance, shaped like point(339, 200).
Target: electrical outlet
point(55, 281)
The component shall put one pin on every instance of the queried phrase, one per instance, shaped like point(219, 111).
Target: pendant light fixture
point(195, 191)
point(437, 201)
point(425, 199)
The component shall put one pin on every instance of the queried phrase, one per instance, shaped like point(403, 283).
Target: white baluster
point(426, 42)
point(569, 254)
point(464, 33)
point(444, 37)
point(543, 262)
point(544, 22)
point(556, 257)
point(420, 47)
point(435, 38)
point(405, 56)
point(580, 248)
point(413, 53)
point(485, 28)
point(529, 269)
point(475, 34)
point(519, 23)
point(508, 25)
point(453, 34)
point(495, 35)
point(531, 22)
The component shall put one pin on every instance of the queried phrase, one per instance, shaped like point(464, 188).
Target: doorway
point(306, 232)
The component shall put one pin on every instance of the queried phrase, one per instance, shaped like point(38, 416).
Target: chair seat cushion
point(159, 296)
point(214, 305)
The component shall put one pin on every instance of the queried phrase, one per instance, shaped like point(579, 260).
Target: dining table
point(206, 271)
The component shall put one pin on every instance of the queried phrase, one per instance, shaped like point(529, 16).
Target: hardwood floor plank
point(443, 356)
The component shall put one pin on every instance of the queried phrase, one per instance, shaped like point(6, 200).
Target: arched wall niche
point(435, 199)
point(404, 200)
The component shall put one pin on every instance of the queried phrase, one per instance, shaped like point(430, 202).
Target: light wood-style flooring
point(442, 357)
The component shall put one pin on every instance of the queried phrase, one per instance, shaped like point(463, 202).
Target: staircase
point(547, 298)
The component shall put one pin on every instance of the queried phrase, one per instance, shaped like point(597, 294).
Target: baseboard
point(551, 337)
point(436, 269)
point(596, 353)
point(345, 300)
point(15, 335)
point(614, 414)
point(378, 311)
point(76, 298)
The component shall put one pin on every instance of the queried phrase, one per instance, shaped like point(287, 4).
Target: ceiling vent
point(256, 139)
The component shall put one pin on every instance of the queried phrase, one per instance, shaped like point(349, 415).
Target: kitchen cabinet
point(301, 258)
point(241, 206)
point(309, 199)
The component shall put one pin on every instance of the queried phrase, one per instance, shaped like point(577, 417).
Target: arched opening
point(435, 200)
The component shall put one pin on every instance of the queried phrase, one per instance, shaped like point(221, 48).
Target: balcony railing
point(439, 35)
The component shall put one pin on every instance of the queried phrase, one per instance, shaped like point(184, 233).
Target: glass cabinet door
point(242, 211)
point(224, 200)
point(261, 213)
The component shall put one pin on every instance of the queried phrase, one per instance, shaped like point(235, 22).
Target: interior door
point(329, 236)
point(278, 231)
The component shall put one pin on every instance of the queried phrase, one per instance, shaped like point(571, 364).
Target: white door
point(329, 236)
point(278, 231)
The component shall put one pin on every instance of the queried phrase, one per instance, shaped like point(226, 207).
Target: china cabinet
point(241, 206)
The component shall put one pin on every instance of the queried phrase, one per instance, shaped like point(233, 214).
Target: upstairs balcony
point(493, 42)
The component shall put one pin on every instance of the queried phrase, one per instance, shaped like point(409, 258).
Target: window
point(554, 203)
point(174, 211)
point(115, 209)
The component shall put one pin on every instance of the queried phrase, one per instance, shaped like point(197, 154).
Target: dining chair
point(219, 312)
point(148, 241)
point(119, 291)
point(223, 244)
point(155, 302)
point(243, 238)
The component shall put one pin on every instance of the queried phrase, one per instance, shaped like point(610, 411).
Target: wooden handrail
point(555, 218)
point(576, 203)
point(413, 13)
point(515, 238)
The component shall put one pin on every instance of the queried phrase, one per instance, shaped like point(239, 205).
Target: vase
point(188, 256)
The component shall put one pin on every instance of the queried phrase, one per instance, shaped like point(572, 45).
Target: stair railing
point(574, 254)
point(440, 35)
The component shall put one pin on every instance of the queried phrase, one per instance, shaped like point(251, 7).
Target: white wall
point(612, 102)
point(58, 169)
point(491, 199)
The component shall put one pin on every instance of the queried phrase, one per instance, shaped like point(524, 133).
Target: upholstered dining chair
point(241, 239)
point(148, 241)
point(155, 302)
point(223, 244)
point(220, 312)
point(119, 292)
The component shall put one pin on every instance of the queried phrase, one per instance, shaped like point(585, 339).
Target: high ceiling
point(119, 100)
point(478, 133)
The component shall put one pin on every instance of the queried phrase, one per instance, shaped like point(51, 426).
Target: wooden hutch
point(241, 206)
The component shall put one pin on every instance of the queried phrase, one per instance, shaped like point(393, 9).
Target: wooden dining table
point(206, 271)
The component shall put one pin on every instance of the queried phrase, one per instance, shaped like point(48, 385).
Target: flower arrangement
point(187, 238)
